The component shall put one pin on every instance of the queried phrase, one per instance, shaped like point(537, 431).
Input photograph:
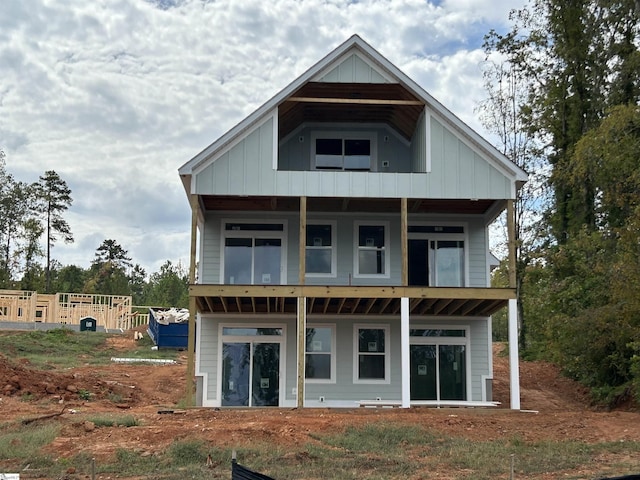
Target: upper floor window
point(320, 256)
point(372, 244)
point(253, 253)
point(343, 150)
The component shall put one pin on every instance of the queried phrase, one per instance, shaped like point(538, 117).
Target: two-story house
point(340, 234)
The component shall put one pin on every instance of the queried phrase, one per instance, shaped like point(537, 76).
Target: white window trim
point(437, 341)
point(346, 135)
point(445, 236)
point(334, 248)
point(333, 353)
point(253, 233)
point(281, 339)
point(356, 248)
point(387, 353)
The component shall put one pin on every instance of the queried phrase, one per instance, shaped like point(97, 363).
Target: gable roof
point(386, 73)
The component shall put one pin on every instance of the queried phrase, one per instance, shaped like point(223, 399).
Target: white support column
point(404, 352)
point(514, 362)
point(301, 332)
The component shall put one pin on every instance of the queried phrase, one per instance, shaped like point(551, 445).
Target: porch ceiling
point(341, 300)
point(388, 103)
point(334, 204)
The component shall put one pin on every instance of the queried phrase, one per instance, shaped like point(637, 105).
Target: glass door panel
point(235, 374)
point(418, 256)
point(453, 383)
point(266, 375)
point(237, 260)
point(266, 263)
point(423, 372)
point(449, 263)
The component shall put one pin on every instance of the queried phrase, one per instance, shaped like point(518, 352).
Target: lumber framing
point(355, 101)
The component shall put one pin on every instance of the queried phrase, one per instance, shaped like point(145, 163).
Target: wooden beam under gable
point(355, 101)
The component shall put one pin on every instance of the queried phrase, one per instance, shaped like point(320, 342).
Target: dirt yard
point(554, 408)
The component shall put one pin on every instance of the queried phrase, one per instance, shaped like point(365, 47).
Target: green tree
point(566, 50)
point(107, 274)
point(32, 276)
point(169, 287)
point(69, 279)
point(54, 198)
point(14, 211)
point(138, 285)
point(579, 61)
point(501, 114)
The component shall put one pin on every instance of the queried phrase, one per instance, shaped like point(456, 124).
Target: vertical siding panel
point(267, 173)
point(466, 164)
point(362, 71)
point(208, 362)
point(220, 174)
point(236, 172)
point(477, 254)
point(204, 180)
point(211, 251)
point(482, 175)
point(451, 155)
point(376, 77)
point(253, 161)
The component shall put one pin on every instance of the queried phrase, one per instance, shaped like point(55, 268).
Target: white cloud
point(116, 95)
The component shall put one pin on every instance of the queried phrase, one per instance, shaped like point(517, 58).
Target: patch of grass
point(63, 348)
point(84, 394)
point(378, 451)
point(57, 348)
point(187, 452)
point(381, 437)
point(23, 442)
point(183, 459)
point(110, 421)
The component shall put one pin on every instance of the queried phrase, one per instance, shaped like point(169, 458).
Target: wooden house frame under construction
point(109, 311)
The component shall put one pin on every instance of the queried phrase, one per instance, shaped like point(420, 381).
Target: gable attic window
point(343, 150)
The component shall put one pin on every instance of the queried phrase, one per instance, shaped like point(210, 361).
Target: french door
point(438, 372)
point(250, 374)
point(253, 253)
point(438, 263)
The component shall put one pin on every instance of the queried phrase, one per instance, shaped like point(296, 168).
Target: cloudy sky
point(115, 95)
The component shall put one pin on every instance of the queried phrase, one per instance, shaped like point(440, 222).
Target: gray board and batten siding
point(344, 391)
point(457, 171)
point(212, 247)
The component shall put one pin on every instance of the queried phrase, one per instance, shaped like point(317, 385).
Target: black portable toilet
point(88, 324)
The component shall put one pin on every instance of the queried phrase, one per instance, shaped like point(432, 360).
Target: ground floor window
point(320, 365)
point(371, 363)
point(438, 364)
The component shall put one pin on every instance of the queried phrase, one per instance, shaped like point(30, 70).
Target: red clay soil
point(554, 408)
